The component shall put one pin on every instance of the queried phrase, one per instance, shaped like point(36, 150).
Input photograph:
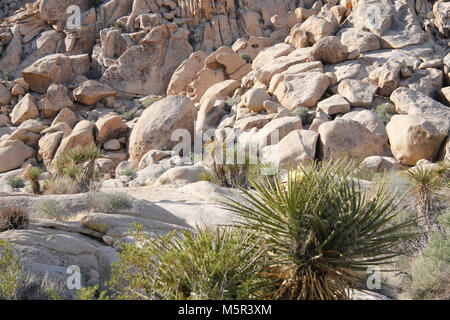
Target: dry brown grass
point(13, 217)
point(61, 185)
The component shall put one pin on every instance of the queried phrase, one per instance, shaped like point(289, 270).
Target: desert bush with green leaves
point(111, 202)
point(10, 272)
point(322, 229)
point(304, 114)
point(16, 182)
point(33, 175)
point(218, 264)
point(49, 208)
point(431, 270)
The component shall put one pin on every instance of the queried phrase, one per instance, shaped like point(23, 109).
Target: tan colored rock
point(186, 73)
point(446, 94)
point(225, 57)
point(81, 136)
point(416, 137)
point(65, 115)
point(295, 148)
point(350, 138)
point(48, 145)
point(25, 109)
point(369, 120)
point(112, 145)
point(55, 68)
point(269, 54)
point(334, 105)
point(358, 93)
point(60, 126)
point(298, 37)
point(248, 123)
point(329, 50)
point(5, 95)
point(278, 128)
point(387, 77)
point(56, 99)
point(205, 79)
point(409, 101)
point(29, 138)
point(304, 90)
point(13, 154)
point(251, 47)
point(221, 90)
point(318, 27)
point(441, 10)
point(254, 99)
point(108, 127)
point(360, 40)
point(91, 92)
point(157, 124)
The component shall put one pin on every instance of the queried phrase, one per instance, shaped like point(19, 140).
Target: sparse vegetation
point(111, 202)
point(246, 57)
point(16, 182)
point(385, 112)
point(304, 114)
point(10, 272)
point(78, 165)
point(322, 229)
point(33, 175)
point(13, 217)
point(231, 102)
point(50, 209)
point(61, 185)
point(431, 271)
point(119, 26)
point(128, 172)
point(148, 101)
point(5, 76)
point(128, 116)
point(210, 264)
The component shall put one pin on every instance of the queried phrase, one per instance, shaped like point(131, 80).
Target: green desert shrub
point(50, 209)
point(148, 101)
point(128, 172)
point(231, 102)
point(304, 114)
point(210, 264)
point(385, 112)
point(111, 202)
point(127, 116)
point(13, 217)
point(431, 271)
point(322, 229)
point(10, 272)
point(246, 57)
point(16, 182)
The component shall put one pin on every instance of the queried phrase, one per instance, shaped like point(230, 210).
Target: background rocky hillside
point(369, 79)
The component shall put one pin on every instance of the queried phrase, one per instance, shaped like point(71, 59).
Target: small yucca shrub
point(13, 217)
point(33, 175)
point(210, 264)
point(322, 230)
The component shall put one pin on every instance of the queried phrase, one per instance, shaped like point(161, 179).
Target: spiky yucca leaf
point(322, 229)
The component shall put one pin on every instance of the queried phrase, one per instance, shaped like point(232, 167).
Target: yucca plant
point(222, 263)
point(33, 175)
point(90, 153)
point(322, 230)
point(425, 182)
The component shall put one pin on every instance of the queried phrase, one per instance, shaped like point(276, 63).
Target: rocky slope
point(137, 70)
